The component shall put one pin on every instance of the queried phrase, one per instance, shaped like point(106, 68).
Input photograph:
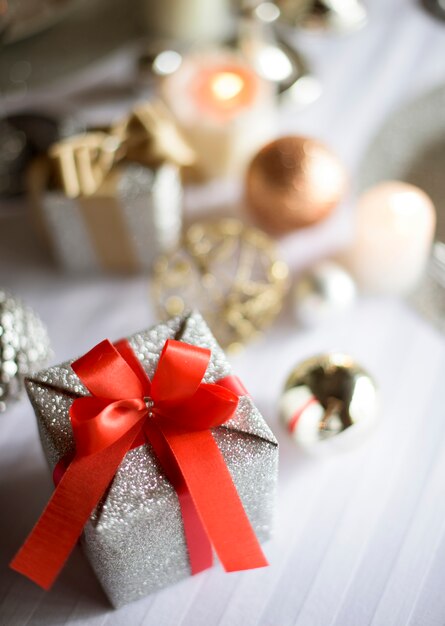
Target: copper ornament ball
point(293, 182)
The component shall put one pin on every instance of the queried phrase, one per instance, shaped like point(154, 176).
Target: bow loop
point(106, 374)
point(98, 423)
point(178, 376)
point(211, 406)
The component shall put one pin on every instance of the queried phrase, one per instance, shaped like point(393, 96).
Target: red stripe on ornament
point(292, 425)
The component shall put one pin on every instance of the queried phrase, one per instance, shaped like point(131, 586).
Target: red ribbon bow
point(174, 412)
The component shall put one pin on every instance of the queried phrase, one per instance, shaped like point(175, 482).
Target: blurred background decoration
point(231, 273)
point(20, 19)
point(435, 7)
point(111, 200)
point(294, 182)
point(329, 402)
point(394, 228)
point(23, 137)
point(329, 15)
point(225, 110)
point(410, 147)
point(24, 347)
point(324, 291)
point(32, 30)
point(219, 73)
point(223, 69)
point(199, 97)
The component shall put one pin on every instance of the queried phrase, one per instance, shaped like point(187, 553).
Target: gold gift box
point(112, 201)
point(133, 216)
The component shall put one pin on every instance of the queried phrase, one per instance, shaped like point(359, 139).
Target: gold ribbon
point(148, 136)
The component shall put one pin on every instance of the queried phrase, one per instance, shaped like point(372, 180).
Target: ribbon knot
point(175, 413)
point(149, 403)
point(148, 136)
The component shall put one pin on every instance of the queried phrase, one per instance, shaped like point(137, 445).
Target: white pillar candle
point(224, 108)
point(394, 229)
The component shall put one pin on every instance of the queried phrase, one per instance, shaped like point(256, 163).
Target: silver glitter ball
point(329, 401)
point(321, 293)
point(24, 346)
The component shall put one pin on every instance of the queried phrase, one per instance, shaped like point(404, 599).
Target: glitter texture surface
point(24, 346)
point(151, 203)
point(151, 207)
point(70, 242)
point(134, 539)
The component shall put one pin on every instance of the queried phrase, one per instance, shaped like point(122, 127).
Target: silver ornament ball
point(24, 346)
point(321, 293)
point(328, 401)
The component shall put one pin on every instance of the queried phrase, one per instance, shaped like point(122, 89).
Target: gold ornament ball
point(329, 402)
point(293, 182)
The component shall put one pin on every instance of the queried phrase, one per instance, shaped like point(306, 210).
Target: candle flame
point(223, 90)
point(227, 85)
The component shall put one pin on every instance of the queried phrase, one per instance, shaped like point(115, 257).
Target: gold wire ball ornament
point(230, 272)
point(293, 182)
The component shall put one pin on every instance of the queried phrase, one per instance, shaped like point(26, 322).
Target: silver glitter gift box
point(134, 215)
point(134, 539)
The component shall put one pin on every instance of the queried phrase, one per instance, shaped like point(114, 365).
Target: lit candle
point(224, 108)
point(395, 225)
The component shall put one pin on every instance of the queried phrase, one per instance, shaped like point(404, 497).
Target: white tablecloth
point(360, 537)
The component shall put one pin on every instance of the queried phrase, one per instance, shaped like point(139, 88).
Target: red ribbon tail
point(52, 539)
point(216, 499)
point(198, 544)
